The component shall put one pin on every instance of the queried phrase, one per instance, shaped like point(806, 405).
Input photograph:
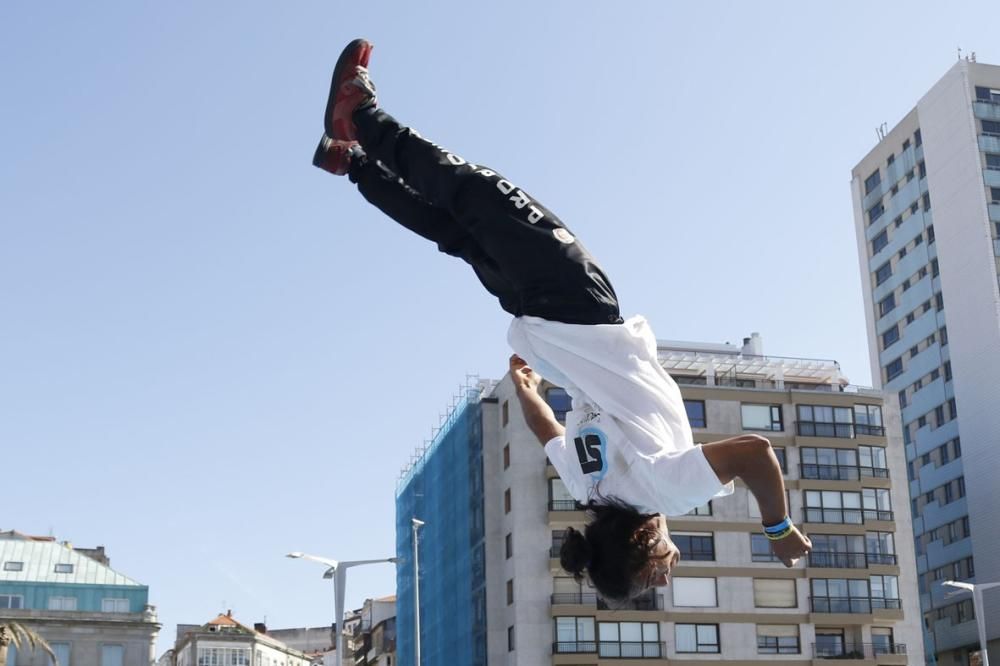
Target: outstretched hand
point(792, 547)
point(525, 379)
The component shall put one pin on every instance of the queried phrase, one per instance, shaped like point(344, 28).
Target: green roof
point(39, 560)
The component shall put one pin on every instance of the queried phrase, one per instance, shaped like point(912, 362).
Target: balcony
point(852, 604)
point(838, 430)
point(878, 514)
point(612, 649)
point(829, 472)
point(830, 559)
point(574, 598)
point(648, 601)
point(881, 558)
point(857, 650)
point(564, 505)
point(874, 472)
point(813, 514)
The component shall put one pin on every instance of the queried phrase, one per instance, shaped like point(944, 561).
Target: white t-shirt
point(628, 434)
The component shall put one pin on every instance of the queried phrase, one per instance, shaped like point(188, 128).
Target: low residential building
point(225, 642)
point(372, 638)
point(89, 613)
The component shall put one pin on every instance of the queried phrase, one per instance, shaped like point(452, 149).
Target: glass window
point(13, 566)
point(12, 601)
point(695, 413)
point(774, 593)
point(883, 272)
point(777, 639)
point(894, 369)
point(699, 592)
point(61, 650)
point(992, 161)
point(872, 181)
point(890, 337)
point(887, 305)
point(690, 638)
point(880, 241)
point(875, 212)
point(761, 417)
point(695, 546)
point(760, 549)
point(64, 568)
point(112, 655)
point(114, 605)
point(62, 603)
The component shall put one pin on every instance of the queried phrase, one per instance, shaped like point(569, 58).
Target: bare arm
point(537, 413)
point(751, 458)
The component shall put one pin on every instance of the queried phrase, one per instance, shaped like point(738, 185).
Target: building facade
point(932, 305)
point(443, 487)
point(224, 641)
point(372, 637)
point(853, 599)
point(89, 613)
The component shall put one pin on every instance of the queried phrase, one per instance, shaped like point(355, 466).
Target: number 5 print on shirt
point(591, 447)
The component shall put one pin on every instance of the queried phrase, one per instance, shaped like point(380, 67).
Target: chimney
point(229, 613)
point(260, 627)
point(754, 345)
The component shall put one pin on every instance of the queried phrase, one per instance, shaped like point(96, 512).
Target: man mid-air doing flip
point(626, 451)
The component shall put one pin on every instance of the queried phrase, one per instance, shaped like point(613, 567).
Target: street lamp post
point(977, 590)
point(338, 572)
point(417, 524)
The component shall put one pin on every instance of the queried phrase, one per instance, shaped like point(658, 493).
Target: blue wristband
point(780, 527)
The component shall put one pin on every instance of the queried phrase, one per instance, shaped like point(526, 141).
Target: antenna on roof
point(881, 131)
point(959, 52)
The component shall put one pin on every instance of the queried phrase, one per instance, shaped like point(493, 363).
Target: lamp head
point(417, 522)
point(962, 586)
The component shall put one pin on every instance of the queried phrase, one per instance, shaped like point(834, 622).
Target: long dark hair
point(608, 551)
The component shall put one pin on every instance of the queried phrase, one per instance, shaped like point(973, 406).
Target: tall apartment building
point(854, 598)
point(932, 306)
point(89, 613)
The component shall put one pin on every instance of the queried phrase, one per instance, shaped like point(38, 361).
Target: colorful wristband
point(785, 524)
point(779, 536)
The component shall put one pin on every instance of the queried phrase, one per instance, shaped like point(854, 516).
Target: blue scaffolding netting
point(444, 488)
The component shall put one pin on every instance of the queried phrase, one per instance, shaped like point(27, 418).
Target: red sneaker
point(335, 156)
point(350, 89)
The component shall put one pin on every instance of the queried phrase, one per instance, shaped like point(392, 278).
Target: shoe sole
point(349, 57)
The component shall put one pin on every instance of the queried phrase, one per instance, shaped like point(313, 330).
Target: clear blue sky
point(212, 353)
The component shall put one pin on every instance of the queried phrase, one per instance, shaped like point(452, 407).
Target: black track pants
point(519, 249)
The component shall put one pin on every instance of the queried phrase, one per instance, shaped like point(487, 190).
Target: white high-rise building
point(932, 304)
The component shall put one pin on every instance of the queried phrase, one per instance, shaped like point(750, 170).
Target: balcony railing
point(881, 558)
point(577, 598)
point(612, 649)
point(649, 601)
point(852, 604)
point(829, 472)
point(813, 514)
point(564, 505)
point(878, 514)
point(824, 429)
point(555, 551)
point(875, 472)
point(857, 650)
point(830, 559)
point(840, 430)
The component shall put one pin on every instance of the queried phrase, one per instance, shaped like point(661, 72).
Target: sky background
point(212, 353)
